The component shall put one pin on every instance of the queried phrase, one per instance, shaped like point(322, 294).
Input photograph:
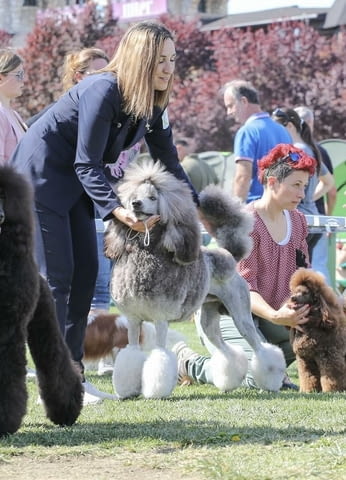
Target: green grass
point(197, 433)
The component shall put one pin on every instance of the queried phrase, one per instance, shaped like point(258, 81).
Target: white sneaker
point(87, 399)
point(184, 354)
point(93, 391)
point(30, 374)
point(90, 399)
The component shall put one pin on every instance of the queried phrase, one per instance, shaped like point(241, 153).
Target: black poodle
point(27, 314)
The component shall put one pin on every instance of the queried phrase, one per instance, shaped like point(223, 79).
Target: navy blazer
point(64, 152)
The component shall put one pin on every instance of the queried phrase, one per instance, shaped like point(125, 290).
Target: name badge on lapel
point(165, 119)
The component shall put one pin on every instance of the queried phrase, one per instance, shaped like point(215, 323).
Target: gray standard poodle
point(27, 314)
point(165, 275)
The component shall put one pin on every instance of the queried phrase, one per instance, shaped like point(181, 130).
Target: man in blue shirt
point(255, 138)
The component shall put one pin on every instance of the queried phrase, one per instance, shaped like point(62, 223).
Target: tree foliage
point(57, 32)
point(5, 38)
point(290, 63)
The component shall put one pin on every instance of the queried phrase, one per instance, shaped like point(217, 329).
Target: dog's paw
point(268, 367)
point(228, 367)
point(127, 373)
point(160, 374)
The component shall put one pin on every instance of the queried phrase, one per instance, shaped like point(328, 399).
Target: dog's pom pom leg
point(160, 374)
point(127, 373)
point(268, 367)
point(228, 367)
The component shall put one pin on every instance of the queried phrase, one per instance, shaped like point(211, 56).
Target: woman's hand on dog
point(292, 317)
point(130, 219)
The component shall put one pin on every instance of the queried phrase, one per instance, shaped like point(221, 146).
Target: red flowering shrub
point(57, 32)
point(5, 38)
point(290, 63)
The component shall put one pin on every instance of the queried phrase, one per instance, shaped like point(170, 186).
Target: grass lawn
point(197, 433)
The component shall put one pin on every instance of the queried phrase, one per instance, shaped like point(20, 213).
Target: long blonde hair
point(78, 62)
point(134, 63)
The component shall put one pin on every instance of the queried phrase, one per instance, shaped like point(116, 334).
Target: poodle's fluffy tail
point(227, 220)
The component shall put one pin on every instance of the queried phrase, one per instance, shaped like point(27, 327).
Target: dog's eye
point(152, 198)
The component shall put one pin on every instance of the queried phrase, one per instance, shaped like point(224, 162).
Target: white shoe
point(90, 399)
point(30, 374)
point(184, 354)
point(93, 391)
point(87, 399)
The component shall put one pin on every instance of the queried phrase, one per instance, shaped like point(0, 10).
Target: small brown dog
point(321, 348)
point(107, 333)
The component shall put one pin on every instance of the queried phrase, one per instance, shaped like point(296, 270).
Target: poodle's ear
point(114, 239)
point(183, 240)
point(330, 308)
point(178, 215)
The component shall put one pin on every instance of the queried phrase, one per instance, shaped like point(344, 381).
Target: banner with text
point(138, 10)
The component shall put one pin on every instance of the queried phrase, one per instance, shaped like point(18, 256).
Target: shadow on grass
point(213, 431)
point(252, 394)
point(178, 434)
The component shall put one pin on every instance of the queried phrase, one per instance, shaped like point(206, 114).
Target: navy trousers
point(67, 256)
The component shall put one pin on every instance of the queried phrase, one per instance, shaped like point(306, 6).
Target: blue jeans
point(101, 298)
point(319, 261)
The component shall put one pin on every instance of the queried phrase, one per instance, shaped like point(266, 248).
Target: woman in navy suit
point(65, 152)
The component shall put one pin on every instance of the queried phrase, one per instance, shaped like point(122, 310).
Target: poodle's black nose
point(136, 204)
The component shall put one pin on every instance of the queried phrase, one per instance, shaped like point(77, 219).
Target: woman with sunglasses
point(319, 183)
point(12, 127)
point(279, 248)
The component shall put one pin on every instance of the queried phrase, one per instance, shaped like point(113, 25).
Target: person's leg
point(196, 366)
point(84, 249)
point(101, 298)
point(191, 365)
point(67, 255)
point(319, 260)
point(312, 240)
point(229, 333)
point(55, 257)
